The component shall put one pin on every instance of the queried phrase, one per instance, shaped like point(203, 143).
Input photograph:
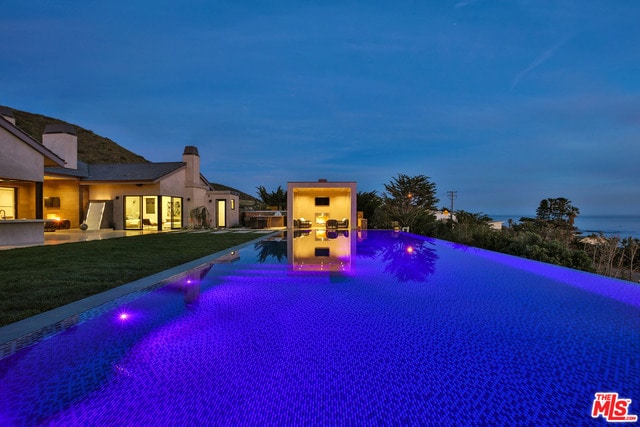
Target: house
point(22, 163)
point(46, 183)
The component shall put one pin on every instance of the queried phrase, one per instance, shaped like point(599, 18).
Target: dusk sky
point(505, 102)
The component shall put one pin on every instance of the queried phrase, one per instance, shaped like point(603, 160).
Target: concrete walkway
point(76, 235)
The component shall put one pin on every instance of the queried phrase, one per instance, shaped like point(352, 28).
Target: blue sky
point(505, 102)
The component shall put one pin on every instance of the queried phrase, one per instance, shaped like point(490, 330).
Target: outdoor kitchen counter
point(17, 232)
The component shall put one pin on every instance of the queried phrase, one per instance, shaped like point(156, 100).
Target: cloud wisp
point(464, 3)
point(541, 59)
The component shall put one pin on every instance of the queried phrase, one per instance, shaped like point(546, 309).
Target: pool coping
point(24, 333)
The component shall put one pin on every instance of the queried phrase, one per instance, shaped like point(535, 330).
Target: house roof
point(132, 171)
point(50, 158)
point(81, 172)
point(118, 172)
point(124, 172)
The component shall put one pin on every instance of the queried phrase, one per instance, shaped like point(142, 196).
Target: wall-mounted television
point(322, 251)
point(322, 201)
point(52, 202)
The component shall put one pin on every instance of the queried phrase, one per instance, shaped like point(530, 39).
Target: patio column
point(39, 200)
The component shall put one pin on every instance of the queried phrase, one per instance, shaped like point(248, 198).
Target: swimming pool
point(379, 328)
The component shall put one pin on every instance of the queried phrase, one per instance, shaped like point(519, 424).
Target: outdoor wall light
point(188, 199)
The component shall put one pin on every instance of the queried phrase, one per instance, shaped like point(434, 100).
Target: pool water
point(373, 328)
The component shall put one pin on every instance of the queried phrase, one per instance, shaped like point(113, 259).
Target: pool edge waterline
point(26, 332)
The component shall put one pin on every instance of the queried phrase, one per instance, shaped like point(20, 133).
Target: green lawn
point(37, 279)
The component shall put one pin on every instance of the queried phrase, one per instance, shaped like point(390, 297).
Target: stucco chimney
point(62, 140)
point(7, 114)
point(191, 157)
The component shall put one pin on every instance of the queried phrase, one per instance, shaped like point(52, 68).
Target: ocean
point(613, 225)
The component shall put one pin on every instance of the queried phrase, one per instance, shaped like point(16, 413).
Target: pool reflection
point(410, 259)
point(407, 257)
point(271, 249)
point(321, 250)
point(189, 285)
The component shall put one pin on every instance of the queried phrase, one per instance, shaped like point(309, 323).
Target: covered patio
point(321, 204)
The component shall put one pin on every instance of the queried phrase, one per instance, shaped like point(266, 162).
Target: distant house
point(46, 182)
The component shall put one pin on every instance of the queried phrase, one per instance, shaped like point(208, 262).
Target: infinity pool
point(379, 328)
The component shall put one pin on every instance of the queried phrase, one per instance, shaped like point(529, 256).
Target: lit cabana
point(321, 204)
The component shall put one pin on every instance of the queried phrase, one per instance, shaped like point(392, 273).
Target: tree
point(277, 199)
point(473, 229)
point(544, 210)
point(630, 250)
point(368, 202)
point(559, 209)
point(547, 229)
point(410, 201)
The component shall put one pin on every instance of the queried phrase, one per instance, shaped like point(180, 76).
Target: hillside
point(93, 148)
point(246, 200)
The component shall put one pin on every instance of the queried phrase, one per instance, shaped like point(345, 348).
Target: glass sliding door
point(171, 212)
point(176, 212)
point(221, 213)
point(150, 213)
point(132, 212)
point(141, 212)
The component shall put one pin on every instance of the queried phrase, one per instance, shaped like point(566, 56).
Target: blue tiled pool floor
point(459, 340)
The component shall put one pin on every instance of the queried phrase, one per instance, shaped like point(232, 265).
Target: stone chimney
point(7, 114)
point(191, 157)
point(62, 140)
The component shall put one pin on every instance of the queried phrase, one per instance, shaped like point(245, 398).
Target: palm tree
point(277, 199)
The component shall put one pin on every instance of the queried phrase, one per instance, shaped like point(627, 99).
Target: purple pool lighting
point(377, 328)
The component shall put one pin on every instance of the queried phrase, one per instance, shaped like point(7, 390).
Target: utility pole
point(452, 195)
